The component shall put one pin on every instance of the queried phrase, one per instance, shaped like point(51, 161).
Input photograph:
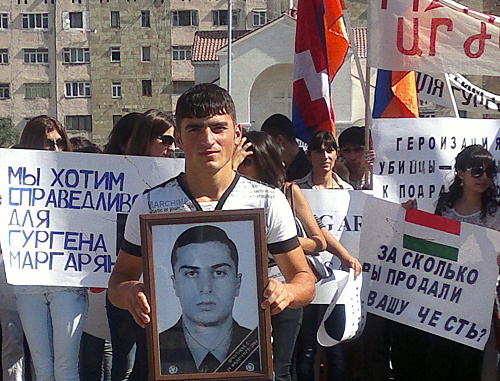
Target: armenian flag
point(395, 95)
point(321, 44)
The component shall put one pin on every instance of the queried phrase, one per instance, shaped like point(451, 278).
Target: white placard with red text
point(430, 36)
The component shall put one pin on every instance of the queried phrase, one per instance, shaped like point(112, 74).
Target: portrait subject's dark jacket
point(176, 358)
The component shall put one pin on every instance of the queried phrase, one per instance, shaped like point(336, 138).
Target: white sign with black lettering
point(429, 272)
point(469, 97)
point(341, 211)
point(415, 156)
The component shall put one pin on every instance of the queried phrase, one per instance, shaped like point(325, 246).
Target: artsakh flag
point(424, 234)
point(321, 44)
point(395, 95)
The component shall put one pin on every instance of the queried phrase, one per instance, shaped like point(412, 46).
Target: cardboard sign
point(467, 96)
point(341, 211)
point(431, 36)
point(430, 272)
point(415, 157)
point(62, 213)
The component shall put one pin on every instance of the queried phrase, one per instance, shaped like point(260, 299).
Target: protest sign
point(434, 36)
point(429, 272)
point(62, 213)
point(472, 98)
point(433, 88)
point(415, 157)
point(341, 212)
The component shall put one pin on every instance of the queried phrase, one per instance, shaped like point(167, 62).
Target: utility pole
point(229, 43)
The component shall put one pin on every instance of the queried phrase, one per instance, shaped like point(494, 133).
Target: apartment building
point(44, 58)
point(85, 62)
point(130, 62)
point(88, 62)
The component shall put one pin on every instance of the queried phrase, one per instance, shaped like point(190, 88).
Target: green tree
point(8, 135)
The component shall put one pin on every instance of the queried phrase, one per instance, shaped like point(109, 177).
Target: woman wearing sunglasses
point(472, 195)
point(471, 198)
point(152, 135)
point(52, 316)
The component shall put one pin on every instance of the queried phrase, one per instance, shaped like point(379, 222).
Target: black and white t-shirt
point(243, 193)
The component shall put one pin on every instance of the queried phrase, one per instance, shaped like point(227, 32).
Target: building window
point(35, 20)
point(116, 118)
point(115, 19)
point(4, 91)
point(181, 53)
point(219, 17)
point(77, 89)
point(184, 18)
point(75, 19)
point(79, 122)
point(259, 17)
point(4, 56)
point(116, 89)
point(36, 56)
point(146, 19)
point(181, 86)
point(76, 55)
point(147, 88)
point(146, 54)
point(4, 20)
point(115, 54)
point(36, 90)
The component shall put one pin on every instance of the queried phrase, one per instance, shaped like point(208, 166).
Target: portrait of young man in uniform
point(206, 280)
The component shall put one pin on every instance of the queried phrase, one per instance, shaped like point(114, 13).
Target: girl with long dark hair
point(471, 198)
point(259, 157)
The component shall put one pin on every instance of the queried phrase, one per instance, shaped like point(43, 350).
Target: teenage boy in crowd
point(354, 164)
point(207, 131)
point(282, 130)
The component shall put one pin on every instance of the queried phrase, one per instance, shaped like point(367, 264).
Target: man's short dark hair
point(320, 139)
point(279, 124)
point(204, 100)
point(352, 135)
point(204, 234)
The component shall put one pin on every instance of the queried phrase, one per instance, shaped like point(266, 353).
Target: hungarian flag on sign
point(424, 234)
point(321, 44)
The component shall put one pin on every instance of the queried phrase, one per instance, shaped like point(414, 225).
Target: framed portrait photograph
point(204, 276)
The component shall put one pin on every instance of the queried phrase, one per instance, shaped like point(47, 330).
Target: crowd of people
point(222, 164)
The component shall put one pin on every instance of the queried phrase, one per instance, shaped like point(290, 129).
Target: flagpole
point(368, 120)
point(452, 96)
point(365, 85)
point(229, 43)
point(352, 42)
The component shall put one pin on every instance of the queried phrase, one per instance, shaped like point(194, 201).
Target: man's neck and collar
point(206, 186)
point(202, 340)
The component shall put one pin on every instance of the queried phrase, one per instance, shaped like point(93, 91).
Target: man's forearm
point(118, 289)
point(302, 288)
